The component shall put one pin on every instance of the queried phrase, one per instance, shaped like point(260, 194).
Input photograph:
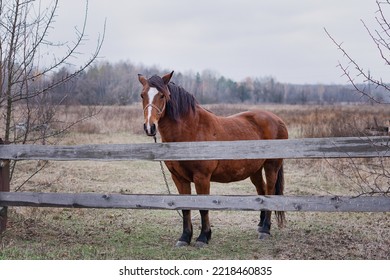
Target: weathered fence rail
point(293, 148)
point(351, 147)
point(197, 202)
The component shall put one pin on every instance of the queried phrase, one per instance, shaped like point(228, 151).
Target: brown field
point(55, 233)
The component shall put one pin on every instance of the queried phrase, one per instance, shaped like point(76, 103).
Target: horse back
point(253, 125)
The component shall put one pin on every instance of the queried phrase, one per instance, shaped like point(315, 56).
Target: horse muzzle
point(150, 130)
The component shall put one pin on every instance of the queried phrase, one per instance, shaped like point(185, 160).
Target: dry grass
point(51, 233)
point(303, 121)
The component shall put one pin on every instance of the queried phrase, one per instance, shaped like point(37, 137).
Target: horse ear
point(142, 80)
point(166, 78)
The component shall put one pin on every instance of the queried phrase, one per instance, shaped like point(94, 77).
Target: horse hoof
point(200, 244)
point(264, 236)
point(181, 244)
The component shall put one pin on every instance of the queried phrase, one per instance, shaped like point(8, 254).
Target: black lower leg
point(187, 227)
point(262, 217)
point(265, 222)
point(205, 234)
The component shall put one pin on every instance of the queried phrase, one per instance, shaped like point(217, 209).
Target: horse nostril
point(150, 130)
point(153, 129)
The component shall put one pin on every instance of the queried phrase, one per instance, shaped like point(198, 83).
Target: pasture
point(54, 233)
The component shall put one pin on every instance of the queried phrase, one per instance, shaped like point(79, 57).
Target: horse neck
point(184, 129)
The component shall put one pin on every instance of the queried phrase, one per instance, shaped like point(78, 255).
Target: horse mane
point(180, 102)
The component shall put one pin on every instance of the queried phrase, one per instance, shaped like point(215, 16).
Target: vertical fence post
point(4, 187)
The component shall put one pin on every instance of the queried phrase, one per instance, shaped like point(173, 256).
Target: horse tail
point(279, 187)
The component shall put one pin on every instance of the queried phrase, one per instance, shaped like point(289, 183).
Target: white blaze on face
point(151, 94)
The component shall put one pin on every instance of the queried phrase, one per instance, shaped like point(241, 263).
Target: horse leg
point(184, 187)
point(205, 233)
point(271, 169)
point(277, 187)
point(264, 225)
point(202, 186)
point(185, 238)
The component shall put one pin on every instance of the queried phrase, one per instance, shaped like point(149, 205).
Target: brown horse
point(178, 117)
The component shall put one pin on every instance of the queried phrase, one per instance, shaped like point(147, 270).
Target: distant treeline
point(108, 83)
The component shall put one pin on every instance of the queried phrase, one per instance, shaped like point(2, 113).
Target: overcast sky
point(236, 38)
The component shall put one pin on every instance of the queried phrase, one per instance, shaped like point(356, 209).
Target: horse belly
point(235, 170)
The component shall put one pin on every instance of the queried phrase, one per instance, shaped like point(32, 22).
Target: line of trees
point(107, 83)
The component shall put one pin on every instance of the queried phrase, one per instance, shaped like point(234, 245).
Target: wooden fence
point(351, 147)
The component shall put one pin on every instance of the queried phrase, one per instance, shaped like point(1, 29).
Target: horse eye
point(161, 96)
point(141, 96)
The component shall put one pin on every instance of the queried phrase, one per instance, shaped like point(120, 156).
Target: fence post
point(4, 187)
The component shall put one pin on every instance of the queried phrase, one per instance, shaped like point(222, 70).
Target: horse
point(178, 117)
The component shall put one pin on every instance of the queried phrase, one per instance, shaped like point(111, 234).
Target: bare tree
point(370, 176)
point(26, 81)
point(353, 70)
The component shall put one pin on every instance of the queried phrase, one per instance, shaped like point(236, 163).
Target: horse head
point(155, 95)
